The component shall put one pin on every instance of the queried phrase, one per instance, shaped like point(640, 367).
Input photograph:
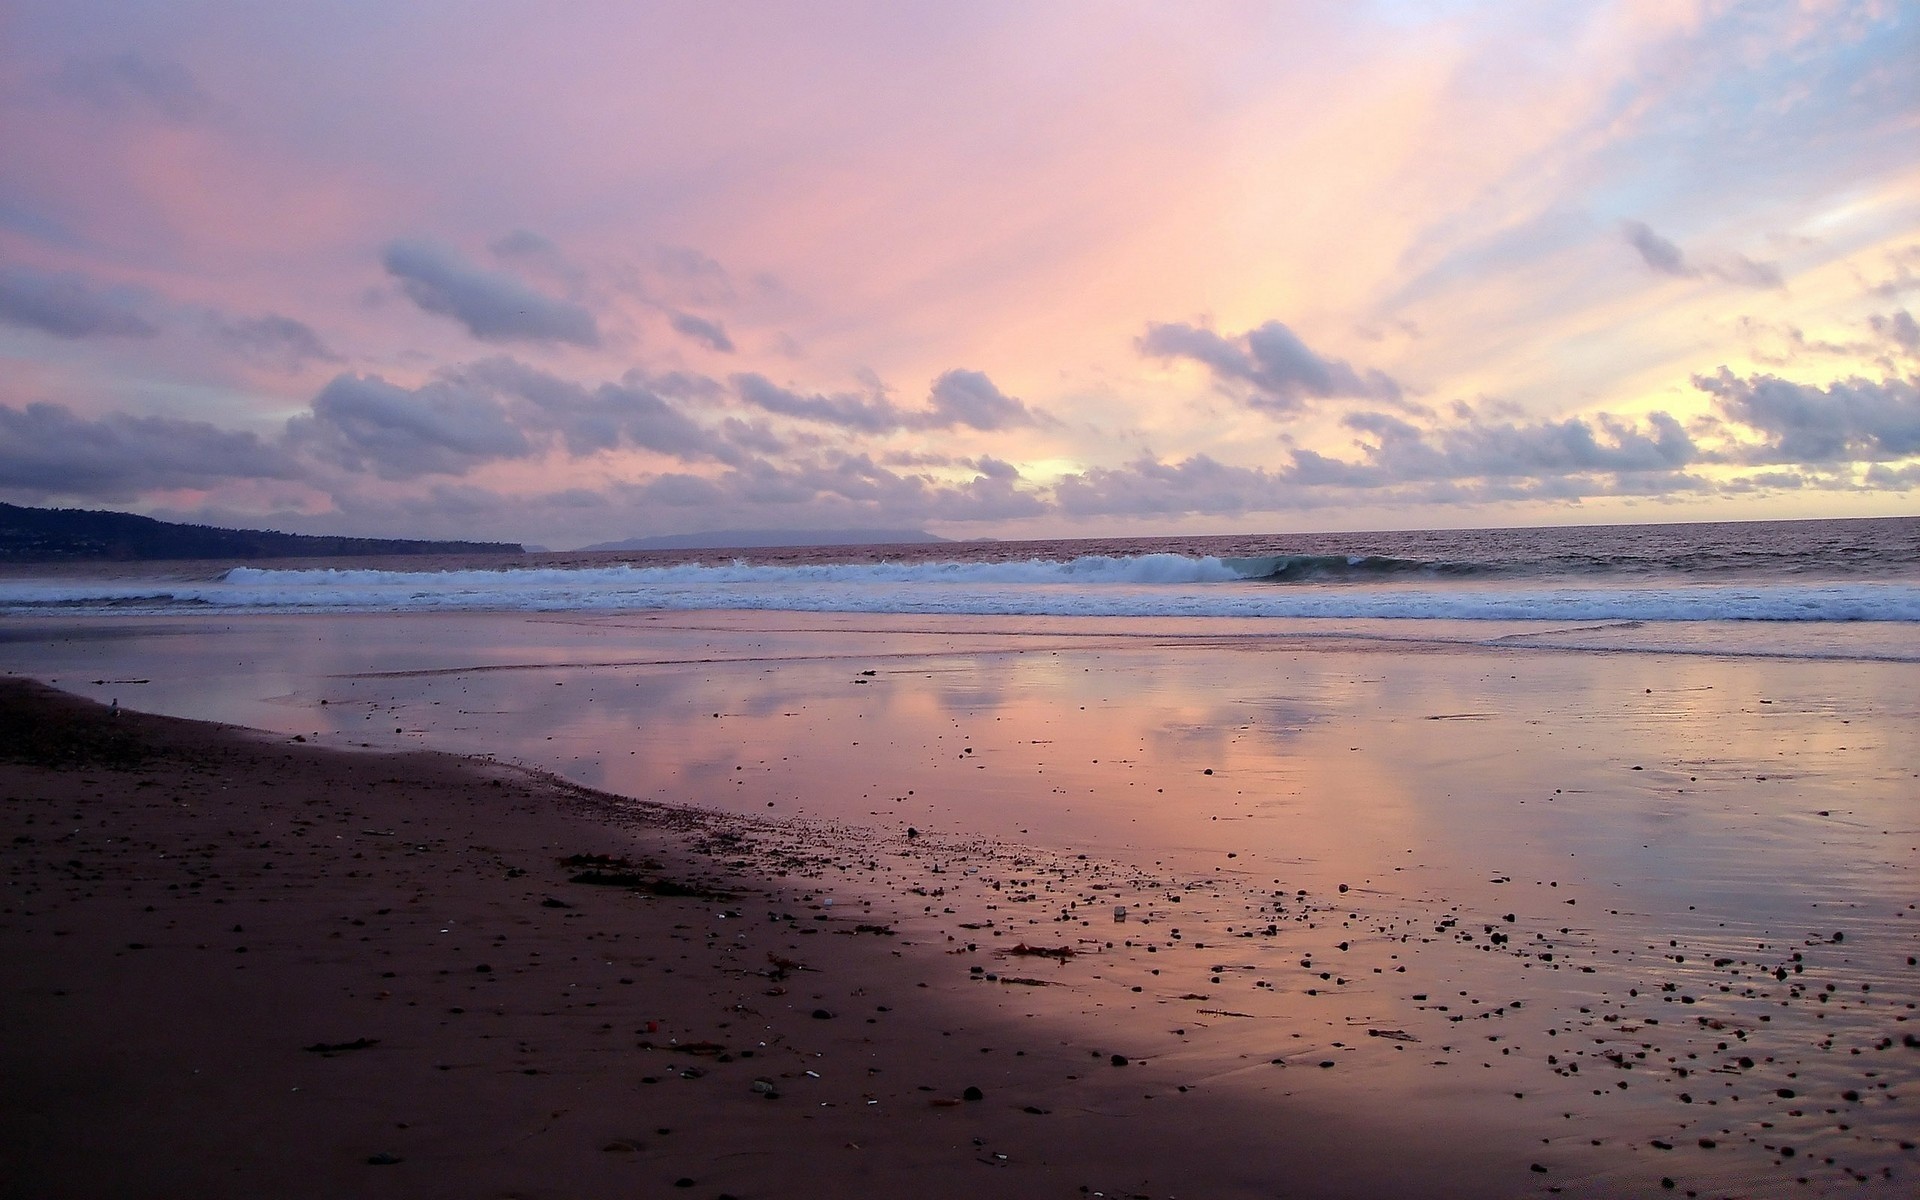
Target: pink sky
point(562, 274)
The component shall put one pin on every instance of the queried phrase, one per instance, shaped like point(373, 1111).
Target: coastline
point(1317, 842)
point(245, 966)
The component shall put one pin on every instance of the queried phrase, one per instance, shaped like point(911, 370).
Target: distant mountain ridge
point(743, 539)
point(83, 535)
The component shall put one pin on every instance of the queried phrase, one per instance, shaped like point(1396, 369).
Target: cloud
point(692, 276)
point(1899, 328)
point(69, 306)
point(958, 398)
point(1149, 487)
point(1282, 371)
point(494, 307)
point(863, 414)
point(1480, 449)
point(1851, 420)
point(1657, 252)
point(1894, 479)
point(365, 423)
point(708, 333)
point(46, 450)
point(523, 243)
point(962, 397)
point(1666, 258)
point(636, 411)
point(274, 340)
point(134, 81)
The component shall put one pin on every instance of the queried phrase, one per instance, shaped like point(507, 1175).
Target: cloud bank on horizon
point(570, 274)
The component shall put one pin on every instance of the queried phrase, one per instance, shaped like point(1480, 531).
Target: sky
point(561, 274)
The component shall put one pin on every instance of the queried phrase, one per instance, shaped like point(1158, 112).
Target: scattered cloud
point(958, 398)
point(70, 306)
point(636, 411)
point(1658, 253)
point(494, 307)
point(1282, 373)
point(969, 398)
point(47, 450)
point(708, 333)
point(274, 340)
point(1399, 452)
point(1665, 257)
point(1850, 420)
point(1899, 328)
point(364, 423)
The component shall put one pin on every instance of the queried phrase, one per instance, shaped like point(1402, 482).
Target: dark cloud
point(69, 306)
point(274, 340)
point(1852, 420)
point(1479, 449)
point(708, 333)
point(1899, 328)
point(962, 397)
point(957, 398)
point(1665, 257)
point(863, 414)
point(1149, 487)
point(1283, 373)
point(46, 450)
point(364, 423)
point(1657, 252)
point(493, 306)
point(1897, 479)
point(134, 81)
point(635, 411)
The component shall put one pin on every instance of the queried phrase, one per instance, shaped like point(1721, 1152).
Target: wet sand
point(1434, 922)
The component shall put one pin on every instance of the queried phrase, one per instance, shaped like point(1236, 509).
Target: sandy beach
point(1186, 916)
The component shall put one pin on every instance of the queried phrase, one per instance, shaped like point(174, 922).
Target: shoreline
point(250, 967)
point(1397, 924)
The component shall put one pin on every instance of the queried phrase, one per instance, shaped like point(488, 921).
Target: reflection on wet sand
point(1652, 915)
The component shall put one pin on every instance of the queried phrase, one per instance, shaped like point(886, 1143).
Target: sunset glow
point(569, 273)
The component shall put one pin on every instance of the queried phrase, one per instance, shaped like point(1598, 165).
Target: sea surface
point(1802, 572)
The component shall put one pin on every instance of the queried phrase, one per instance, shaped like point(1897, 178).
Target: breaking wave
point(1145, 585)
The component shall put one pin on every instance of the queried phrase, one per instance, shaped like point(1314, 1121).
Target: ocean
point(1839, 570)
point(1846, 588)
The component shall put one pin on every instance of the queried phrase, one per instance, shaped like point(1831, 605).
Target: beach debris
point(609, 870)
point(384, 1159)
point(782, 966)
point(624, 1146)
point(1063, 953)
point(973, 1093)
point(1119, 913)
point(1392, 1035)
point(329, 1049)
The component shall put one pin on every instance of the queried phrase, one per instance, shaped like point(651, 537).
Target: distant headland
point(84, 535)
